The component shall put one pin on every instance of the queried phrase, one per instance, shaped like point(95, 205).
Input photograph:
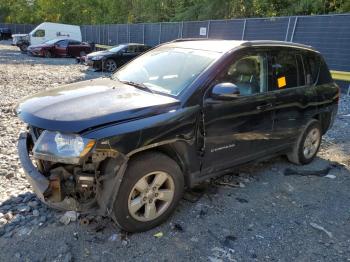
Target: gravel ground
point(256, 214)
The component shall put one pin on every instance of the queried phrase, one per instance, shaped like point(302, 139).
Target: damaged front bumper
point(51, 190)
point(38, 181)
point(41, 185)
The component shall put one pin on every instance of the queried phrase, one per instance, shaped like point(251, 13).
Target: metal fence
point(330, 34)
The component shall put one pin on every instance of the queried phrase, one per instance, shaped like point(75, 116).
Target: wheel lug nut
point(156, 194)
point(154, 188)
point(150, 201)
point(144, 199)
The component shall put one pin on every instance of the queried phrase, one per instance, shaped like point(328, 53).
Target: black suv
point(111, 59)
point(181, 113)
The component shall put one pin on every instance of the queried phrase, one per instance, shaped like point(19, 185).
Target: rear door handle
point(264, 107)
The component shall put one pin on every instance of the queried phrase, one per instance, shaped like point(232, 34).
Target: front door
point(239, 129)
point(38, 37)
point(61, 48)
point(128, 54)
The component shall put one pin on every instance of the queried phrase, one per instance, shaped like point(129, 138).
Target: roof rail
point(192, 39)
point(274, 42)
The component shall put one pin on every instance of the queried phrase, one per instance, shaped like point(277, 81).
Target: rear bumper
point(37, 180)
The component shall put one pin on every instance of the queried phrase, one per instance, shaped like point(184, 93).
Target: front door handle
point(264, 107)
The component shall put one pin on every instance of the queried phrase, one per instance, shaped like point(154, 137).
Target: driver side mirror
point(224, 91)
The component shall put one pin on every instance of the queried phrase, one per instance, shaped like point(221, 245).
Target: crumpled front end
point(67, 186)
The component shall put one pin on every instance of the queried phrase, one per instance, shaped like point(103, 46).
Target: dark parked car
point(109, 60)
point(60, 48)
point(5, 33)
point(183, 112)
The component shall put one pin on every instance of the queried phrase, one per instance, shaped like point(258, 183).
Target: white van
point(47, 31)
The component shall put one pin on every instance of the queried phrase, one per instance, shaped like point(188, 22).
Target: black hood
point(103, 53)
point(83, 105)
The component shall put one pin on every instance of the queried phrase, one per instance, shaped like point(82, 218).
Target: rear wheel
point(110, 65)
point(151, 189)
point(308, 144)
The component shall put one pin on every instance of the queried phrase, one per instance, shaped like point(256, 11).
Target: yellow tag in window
point(281, 81)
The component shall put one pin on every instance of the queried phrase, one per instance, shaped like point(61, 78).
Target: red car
point(60, 48)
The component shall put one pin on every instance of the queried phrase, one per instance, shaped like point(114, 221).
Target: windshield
point(116, 49)
point(167, 70)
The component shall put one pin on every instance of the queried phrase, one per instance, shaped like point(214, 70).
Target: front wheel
point(308, 144)
point(47, 54)
point(23, 48)
point(150, 191)
point(110, 65)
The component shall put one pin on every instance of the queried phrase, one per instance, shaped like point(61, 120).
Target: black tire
point(110, 65)
point(298, 155)
point(23, 48)
point(47, 54)
point(137, 169)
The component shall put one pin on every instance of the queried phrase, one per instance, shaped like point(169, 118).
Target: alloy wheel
point(311, 143)
point(151, 196)
point(110, 65)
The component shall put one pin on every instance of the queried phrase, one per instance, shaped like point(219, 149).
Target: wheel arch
point(325, 118)
point(179, 151)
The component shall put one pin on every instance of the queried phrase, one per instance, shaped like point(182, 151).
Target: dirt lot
point(256, 214)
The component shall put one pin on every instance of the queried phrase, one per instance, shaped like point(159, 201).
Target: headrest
point(246, 67)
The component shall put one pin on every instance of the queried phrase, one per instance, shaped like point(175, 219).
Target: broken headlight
point(62, 148)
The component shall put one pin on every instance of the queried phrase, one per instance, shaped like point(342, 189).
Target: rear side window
point(284, 70)
point(73, 42)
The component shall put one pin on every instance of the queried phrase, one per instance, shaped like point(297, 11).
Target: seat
point(246, 75)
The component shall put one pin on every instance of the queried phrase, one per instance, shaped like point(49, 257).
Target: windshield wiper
point(138, 85)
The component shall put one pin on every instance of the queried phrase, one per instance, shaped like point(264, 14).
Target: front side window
point(131, 49)
point(283, 70)
point(39, 33)
point(248, 73)
point(62, 43)
point(167, 70)
point(116, 49)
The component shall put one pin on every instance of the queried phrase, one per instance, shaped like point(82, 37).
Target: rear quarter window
point(317, 71)
point(324, 76)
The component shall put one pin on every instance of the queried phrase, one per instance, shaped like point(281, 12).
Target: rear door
point(295, 100)
point(239, 129)
point(74, 48)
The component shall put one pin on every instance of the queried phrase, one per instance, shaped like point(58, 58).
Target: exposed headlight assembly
point(62, 148)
